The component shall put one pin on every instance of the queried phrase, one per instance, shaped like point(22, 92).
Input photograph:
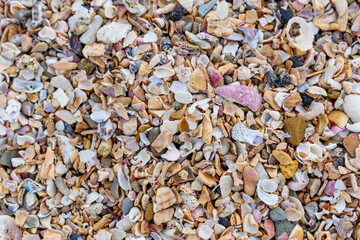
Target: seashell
point(150, 37)
point(249, 224)
point(38, 14)
point(244, 73)
point(134, 214)
point(100, 116)
point(28, 3)
point(197, 41)
point(244, 134)
point(94, 50)
point(172, 154)
point(30, 201)
point(47, 32)
point(130, 38)
point(138, 7)
point(187, 4)
point(32, 222)
point(164, 198)
point(206, 179)
point(113, 32)
point(117, 234)
point(351, 108)
point(292, 214)
point(204, 9)
point(314, 110)
point(8, 228)
point(309, 152)
point(110, 11)
point(204, 231)
point(27, 86)
point(164, 71)
point(304, 41)
point(15, 6)
point(66, 116)
point(122, 176)
point(32, 186)
point(269, 199)
point(241, 94)
point(353, 127)
point(226, 183)
point(61, 186)
point(344, 227)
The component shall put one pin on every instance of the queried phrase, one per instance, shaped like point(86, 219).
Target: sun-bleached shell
point(352, 108)
point(308, 152)
point(304, 41)
point(244, 134)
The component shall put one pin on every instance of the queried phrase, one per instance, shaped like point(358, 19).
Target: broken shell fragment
point(241, 94)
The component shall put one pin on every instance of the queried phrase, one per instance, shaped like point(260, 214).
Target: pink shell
point(297, 186)
point(197, 212)
point(269, 227)
point(241, 94)
point(330, 188)
point(215, 76)
point(257, 215)
point(283, 236)
point(335, 128)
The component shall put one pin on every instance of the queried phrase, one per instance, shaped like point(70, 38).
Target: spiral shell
point(110, 11)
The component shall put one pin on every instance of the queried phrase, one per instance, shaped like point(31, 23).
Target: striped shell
point(164, 198)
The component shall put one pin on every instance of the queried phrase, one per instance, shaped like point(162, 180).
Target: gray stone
point(311, 208)
point(6, 157)
point(277, 214)
point(89, 36)
point(127, 205)
point(283, 226)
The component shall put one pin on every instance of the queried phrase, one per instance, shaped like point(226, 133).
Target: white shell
point(130, 38)
point(100, 116)
point(353, 127)
point(164, 72)
point(352, 107)
point(150, 37)
point(250, 225)
point(269, 199)
point(311, 151)
point(305, 40)
point(134, 214)
point(113, 32)
point(187, 4)
point(27, 86)
point(47, 32)
point(110, 11)
point(244, 134)
point(117, 234)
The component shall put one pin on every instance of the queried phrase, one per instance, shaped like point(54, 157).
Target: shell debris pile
point(179, 119)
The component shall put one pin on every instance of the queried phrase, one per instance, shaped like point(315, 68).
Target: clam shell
point(30, 201)
point(32, 222)
point(27, 86)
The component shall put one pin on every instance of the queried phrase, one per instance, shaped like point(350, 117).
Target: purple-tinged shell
point(251, 36)
point(215, 76)
point(330, 188)
point(241, 94)
point(297, 186)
